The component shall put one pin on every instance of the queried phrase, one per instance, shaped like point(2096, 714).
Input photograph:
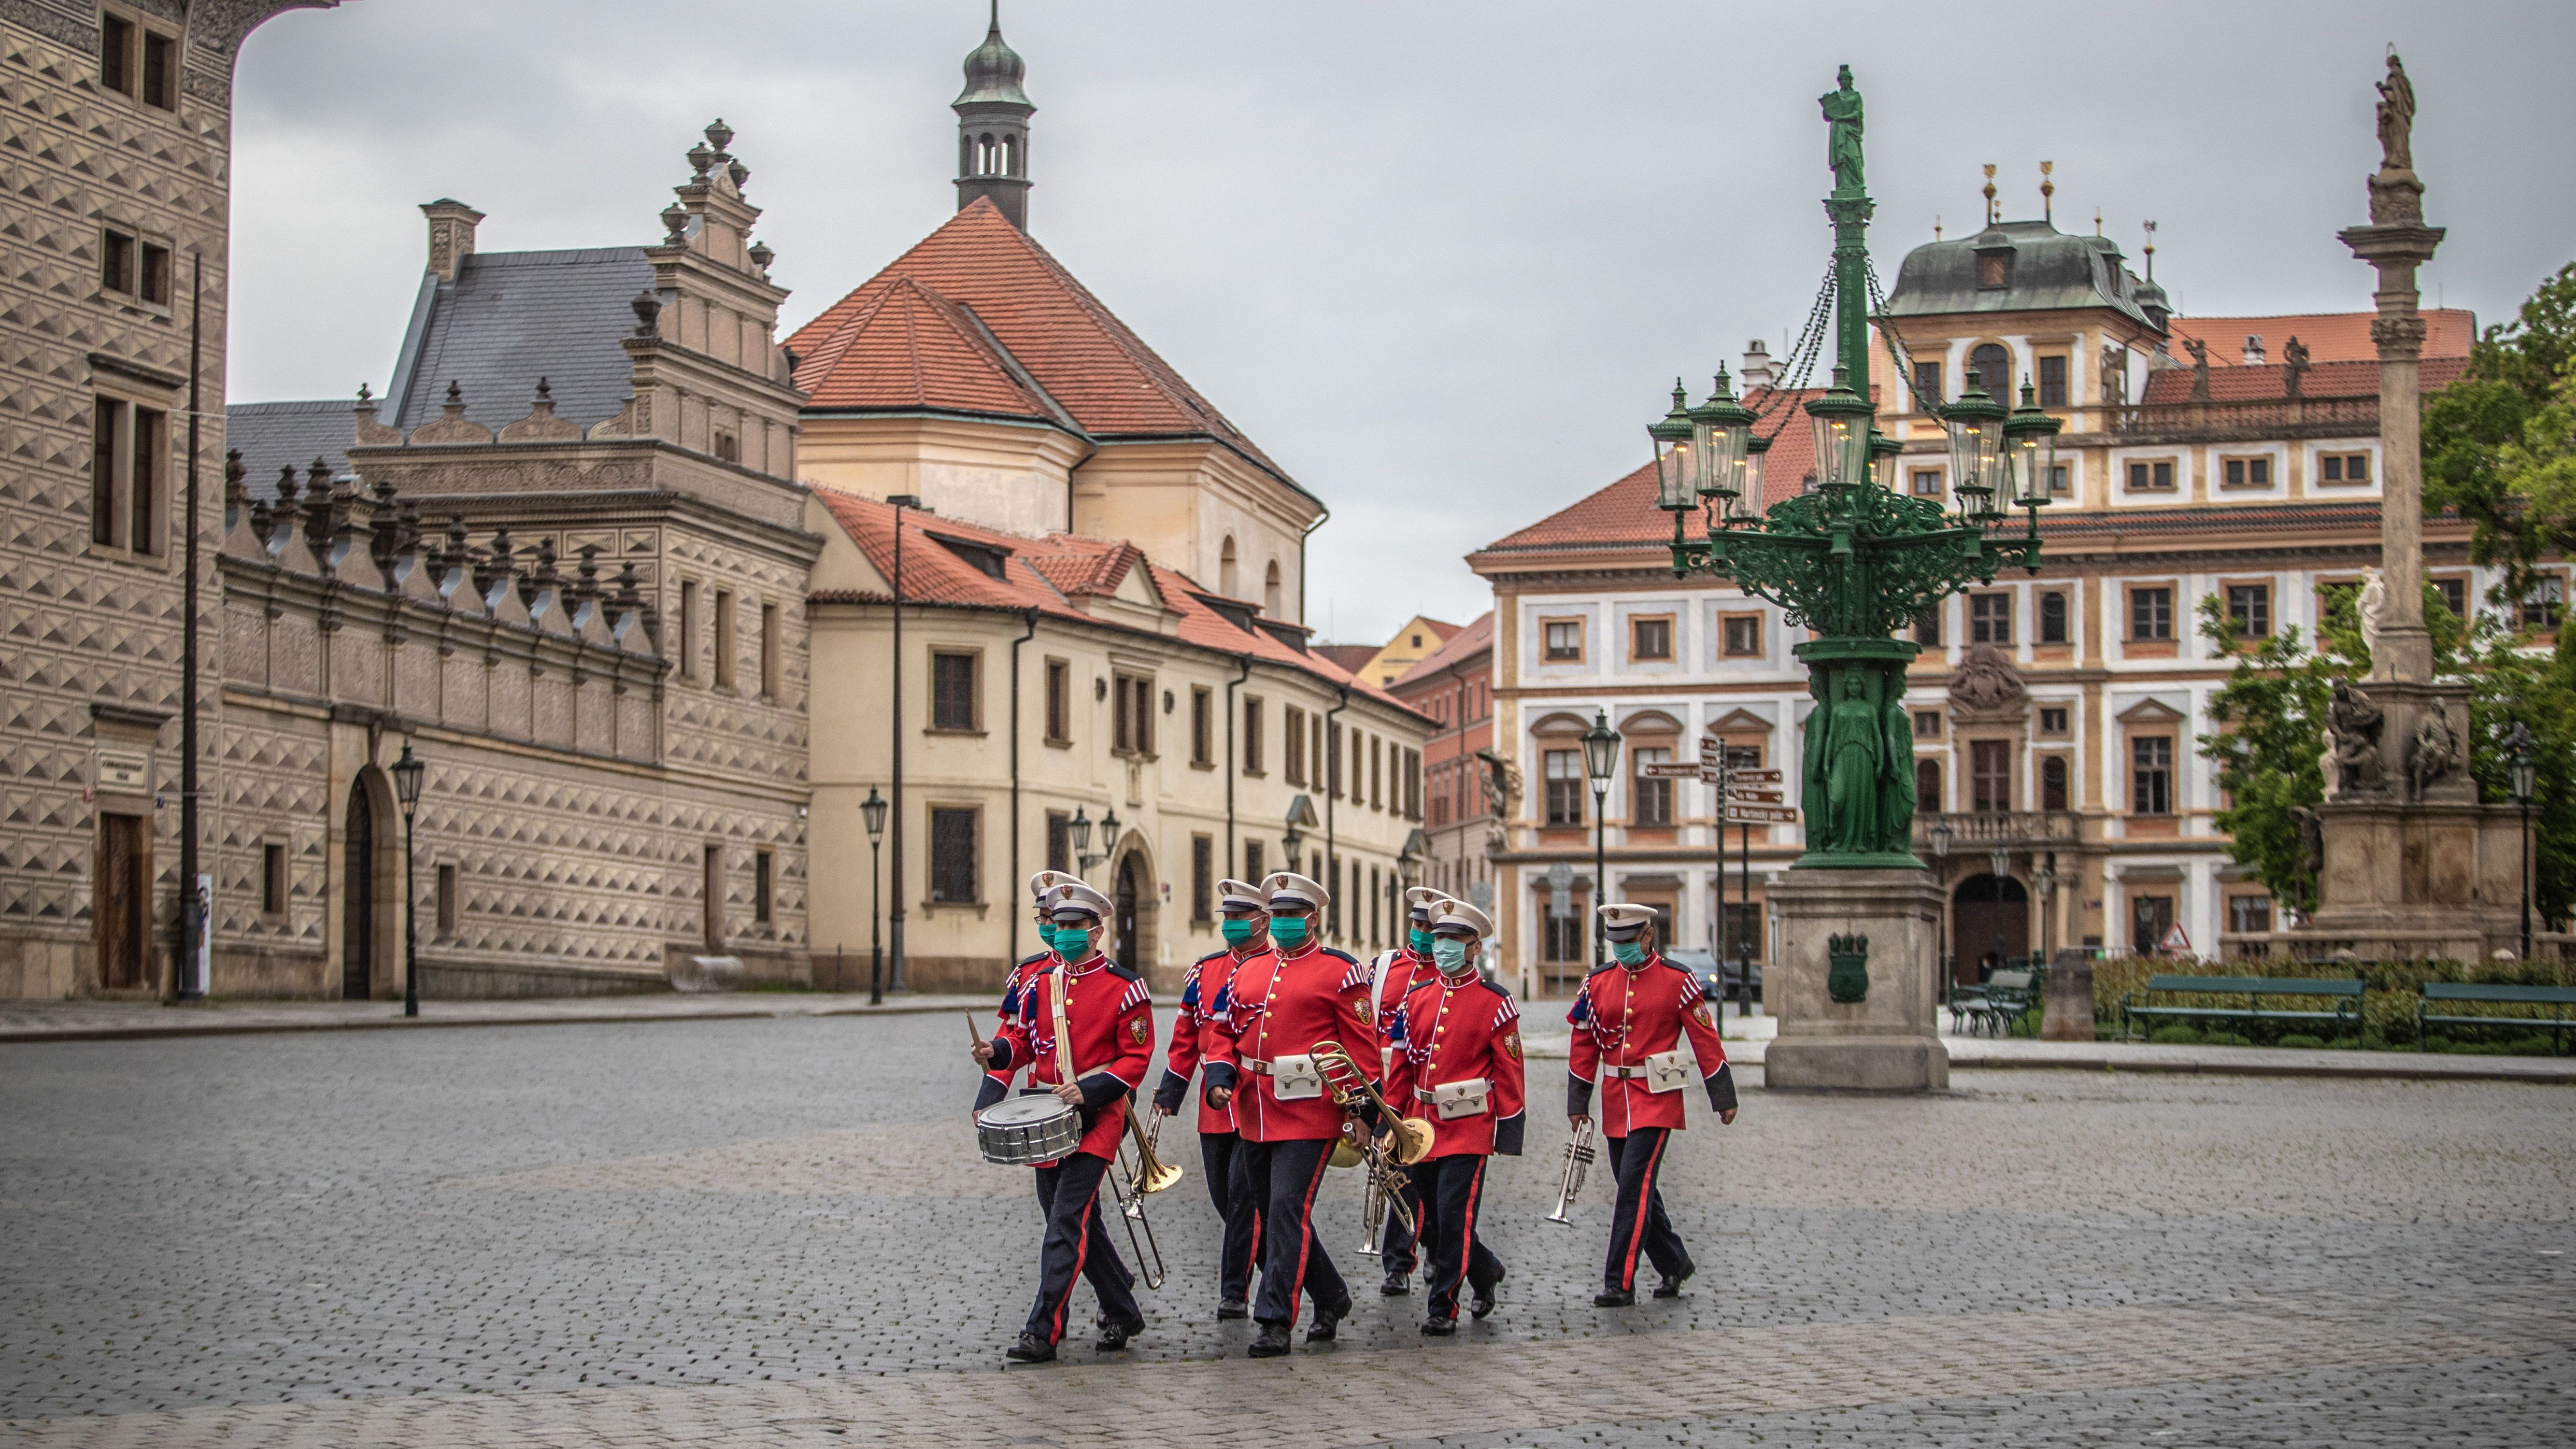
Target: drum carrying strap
point(1063, 1043)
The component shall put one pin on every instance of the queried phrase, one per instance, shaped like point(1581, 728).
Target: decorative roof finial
point(363, 393)
point(1990, 193)
point(701, 160)
point(2047, 191)
point(761, 255)
point(648, 313)
point(2151, 251)
point(720, 136)
point(740, 173)
point(675, 220)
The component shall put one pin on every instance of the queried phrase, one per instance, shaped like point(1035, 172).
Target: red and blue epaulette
point(1138, 994)
point(1358, 975)
point(1510, 1010)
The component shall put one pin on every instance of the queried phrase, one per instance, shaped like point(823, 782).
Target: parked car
point(1720, 981)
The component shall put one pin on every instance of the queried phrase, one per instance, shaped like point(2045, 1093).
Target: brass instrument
point(1411, 1140)
point(1578, 1156)
point(1148, 1174)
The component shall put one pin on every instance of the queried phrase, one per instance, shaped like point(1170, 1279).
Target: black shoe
point(1482, 1302)
point(1614, 1298)
point(1397, 1284)
point(1231, 1309)
point(1030, 1349)
point(1271, 1342)
point(1114, 1335)
point(1439, 1327)
point(1671, 1287)
point(1327, 1321)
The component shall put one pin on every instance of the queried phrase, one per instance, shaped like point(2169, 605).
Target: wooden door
point(124, 902)
point(1127, 942)
point(1990, 918)
point(358, 904)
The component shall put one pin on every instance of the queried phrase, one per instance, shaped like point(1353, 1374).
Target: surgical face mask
point(1451, 956)
point(1421, 940)
point(1629, 953)
point(1238, 929)
point(1288, 931)
point(1072, 942)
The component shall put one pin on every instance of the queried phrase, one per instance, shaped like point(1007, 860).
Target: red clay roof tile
point(2328, 336)
point(1625, 512)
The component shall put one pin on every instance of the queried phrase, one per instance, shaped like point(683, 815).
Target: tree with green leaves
point(2500, 443)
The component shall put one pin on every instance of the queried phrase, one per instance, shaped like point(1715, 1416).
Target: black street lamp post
point(1600, 761)
point(408, 773)
point(2520, 765)
point(1941, 834)
point(872, 813)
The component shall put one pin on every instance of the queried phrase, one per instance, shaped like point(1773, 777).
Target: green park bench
point(1996, 1005)
point(2346, 1012)
point(2557, 998)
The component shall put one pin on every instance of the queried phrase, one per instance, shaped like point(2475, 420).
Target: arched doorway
point(358, 895)
point(1989, 913)
point(1130, 938)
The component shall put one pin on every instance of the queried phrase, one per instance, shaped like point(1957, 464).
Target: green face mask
point(1238, 929)
point(1288, 931)
point(1450, 956)
point(1071, 942)
point(1421, 941)
point(1629, 953)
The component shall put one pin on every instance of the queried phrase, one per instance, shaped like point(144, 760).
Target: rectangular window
point(1927, 787)
point(1565, 641)
point(2052, 617)
point(1059, 702)
point(1202, 878)
point(107, 439)
point(2052, 382)
point(1315, 750)
point(129, 461)
point(1132, 714)
point(728, 448)
point(1927, 482)
point(2544, 604)
point(952, 691)
point(154, 283)
point(2151, 774)
point(2455, 594)
point(952, 855)
point(2151, 477)
point(2249, 915)
point(160, 71)
point(2249, 609)
point(1377, 773)
point(1253, 763)
point(1413, 784)
point(769, 650)
point(1252, 861)
point(724, 640)
point(272, 878)
point(2247, 472)
point(2052, 719)
point(116, 262)
point(2061, 479)
point(1202, 726)
point(760, 887)
point(1927, 387)
point(2150, 919)
point(2052, 783)
point(1990, 618)
point(711, 899)
point(2151, 615)
point(116, 58)
point(1332, 758)
point(1292, 731)
point(1650, 800)
point(1650, 639)
point(1990, 776)
point(688, 629)
point(1927, 724)
point(1059, 841)
point(2345, 468)
point(1565, 787)
point(1927, 627)
point(1743, 635)
point(448, 903)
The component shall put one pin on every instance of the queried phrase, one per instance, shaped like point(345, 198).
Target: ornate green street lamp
point(1854, 560)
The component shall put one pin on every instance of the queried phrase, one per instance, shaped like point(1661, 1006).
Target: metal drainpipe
point(1245, 663)
point(1029, 617)
point(1320, 521)
point(1332, 749)
point(895, 917)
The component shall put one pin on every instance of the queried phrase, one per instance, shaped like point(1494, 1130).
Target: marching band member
point(1042, 888)
point(1459, 1056)
point(1628, 1023)
point(1282, 1005)
point(1393, 975)
point(1244, 920)
point(1085, 1032)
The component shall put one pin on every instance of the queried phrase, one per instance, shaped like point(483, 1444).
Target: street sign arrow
point(1759, 777)
point(1754, 797)
point(1760, 815)
point(1671, 770)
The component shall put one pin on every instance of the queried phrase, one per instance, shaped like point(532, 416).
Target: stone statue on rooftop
point(2396, 118)
point(1842, 140)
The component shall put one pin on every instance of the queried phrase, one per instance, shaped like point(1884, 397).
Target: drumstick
point(972, 1034)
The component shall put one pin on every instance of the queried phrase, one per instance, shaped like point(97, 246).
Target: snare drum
point(1025, 1131)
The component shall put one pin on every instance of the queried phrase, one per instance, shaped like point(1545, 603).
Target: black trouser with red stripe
point(1639, 1221)
point(1285, 1177)
point(1221, 1153)
point(1077, 1246)
point(1451, 1190)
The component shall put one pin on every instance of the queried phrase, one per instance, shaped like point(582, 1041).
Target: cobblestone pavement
point(777, 1231)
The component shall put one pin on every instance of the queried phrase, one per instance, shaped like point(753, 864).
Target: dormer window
point(990, 561)
point(1994, 269)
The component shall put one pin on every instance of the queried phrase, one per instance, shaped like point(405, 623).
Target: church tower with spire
point(993, 127)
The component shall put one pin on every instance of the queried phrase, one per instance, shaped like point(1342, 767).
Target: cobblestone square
point(778, 1231)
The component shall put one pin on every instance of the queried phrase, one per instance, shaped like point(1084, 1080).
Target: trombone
point(1148, 1174)
point(1578, 1156)
point(1385, 1161)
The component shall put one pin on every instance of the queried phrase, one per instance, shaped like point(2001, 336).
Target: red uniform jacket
point(1282, 1006)
point(1623, 1016)
point(1011, 997)
point(1453, 1029)
point(1404, 971)
point(1203, 1005)
point(1109, 1022)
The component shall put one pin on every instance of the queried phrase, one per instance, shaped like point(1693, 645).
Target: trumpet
point(1578, 1156)
point(1149, 1173)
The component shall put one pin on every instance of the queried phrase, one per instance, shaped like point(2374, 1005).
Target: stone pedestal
point(1888, 1040)
point(2066, 1009)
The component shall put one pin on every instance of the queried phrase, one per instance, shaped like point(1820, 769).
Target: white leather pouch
point(1295, 1079)
point(1453, 1100)
point(1667, 1071)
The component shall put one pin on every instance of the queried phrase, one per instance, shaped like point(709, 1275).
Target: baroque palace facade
point(2055, 716)
point(577, 561)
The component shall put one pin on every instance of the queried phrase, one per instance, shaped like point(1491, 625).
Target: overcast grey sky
point(1442, 258)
